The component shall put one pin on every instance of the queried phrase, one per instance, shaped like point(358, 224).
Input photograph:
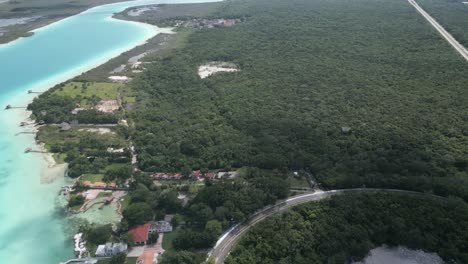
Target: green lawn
point(129, 99)
point(102, 90)
point(167, 240)
point(126, 201)
point(194, 188)
point(52, 135)
point(104, 194)
point(114, 166)
point(92, 177)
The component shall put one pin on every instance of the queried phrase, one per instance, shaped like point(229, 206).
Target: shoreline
point(35, 28)
point(52, 175)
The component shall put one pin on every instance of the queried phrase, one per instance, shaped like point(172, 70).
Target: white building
point(160, 227)
point(111, 249)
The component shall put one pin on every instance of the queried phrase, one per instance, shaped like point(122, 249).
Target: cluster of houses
point(140, 234)
point(212, 23)
point(196, 175)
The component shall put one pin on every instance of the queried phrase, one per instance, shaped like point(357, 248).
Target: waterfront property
point(111, 249)
point(140, 234)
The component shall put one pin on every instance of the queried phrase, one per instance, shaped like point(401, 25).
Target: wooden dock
point(30, 150)
point(8, 107)
point(32, 92)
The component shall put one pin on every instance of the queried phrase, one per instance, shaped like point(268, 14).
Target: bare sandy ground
point(52, 171)
point(107, 106)
point(209, 69)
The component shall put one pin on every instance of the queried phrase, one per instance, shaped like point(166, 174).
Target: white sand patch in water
point(400, 255)
point(211, 68)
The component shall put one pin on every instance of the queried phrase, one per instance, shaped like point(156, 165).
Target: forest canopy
point(346, 227)
point(356, 92)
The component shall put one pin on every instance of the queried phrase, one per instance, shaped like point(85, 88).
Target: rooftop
point(139, 233)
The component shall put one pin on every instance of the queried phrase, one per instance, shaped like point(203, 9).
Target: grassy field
point(92, 177)
point(167, 240)
point(100, 89)
point(298, 182)
point(114, 166)
point(49, 11)
point(90, 91)
point(126, 201)
point(51, 135)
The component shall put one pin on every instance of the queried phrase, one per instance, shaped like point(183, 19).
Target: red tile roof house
point(140, 233)
point(210, 175)
point(196, 174)
point(177, 176)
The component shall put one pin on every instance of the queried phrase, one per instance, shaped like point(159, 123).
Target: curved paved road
point(232, 236)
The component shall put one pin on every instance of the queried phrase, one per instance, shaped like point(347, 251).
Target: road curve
point(227, 241)
point(458, 47)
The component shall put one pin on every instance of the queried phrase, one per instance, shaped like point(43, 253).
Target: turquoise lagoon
point(34, 227)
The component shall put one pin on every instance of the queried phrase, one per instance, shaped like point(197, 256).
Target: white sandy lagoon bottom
point(400, 255)
point(30, 227)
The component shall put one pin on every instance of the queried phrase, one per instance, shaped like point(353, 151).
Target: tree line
point(345, 227)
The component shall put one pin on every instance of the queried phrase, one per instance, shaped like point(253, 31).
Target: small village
point(147, 239)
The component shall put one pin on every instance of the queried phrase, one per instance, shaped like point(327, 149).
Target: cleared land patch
point(212, 68)
point(102, 90)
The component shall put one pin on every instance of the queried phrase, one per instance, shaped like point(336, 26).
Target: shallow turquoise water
point(33, 225)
